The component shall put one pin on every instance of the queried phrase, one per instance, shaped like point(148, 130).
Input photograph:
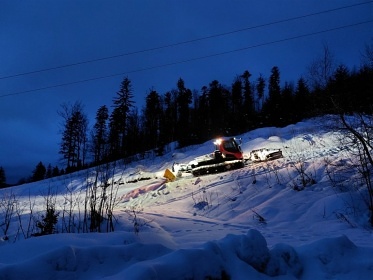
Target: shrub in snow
point(284, 260)
point(201, 205)
point(48, 223)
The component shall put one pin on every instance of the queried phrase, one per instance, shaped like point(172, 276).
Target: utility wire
point(189, 60)
point(184, 42)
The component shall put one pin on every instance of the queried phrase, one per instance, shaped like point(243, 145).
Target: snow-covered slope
point(298, 217)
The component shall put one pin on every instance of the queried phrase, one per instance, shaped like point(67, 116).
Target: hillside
point(301, 216)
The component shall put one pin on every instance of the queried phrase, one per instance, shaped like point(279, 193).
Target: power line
point(184, 42)
point(189, 60)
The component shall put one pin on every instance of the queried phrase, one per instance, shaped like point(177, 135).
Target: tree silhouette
point(272, 106)
point(237, 111)
point(248, 105)
point(123, 103)
point(302, 100)
point(74, 136)
point(39, 172)
point(183, 99)
point(260, 87)
point(2, 178)
point(100, 134)
point(152, 119)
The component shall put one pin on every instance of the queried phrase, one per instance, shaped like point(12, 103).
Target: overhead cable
point(183, 42)
point(190, 59)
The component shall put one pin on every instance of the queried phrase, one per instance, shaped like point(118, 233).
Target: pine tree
point(56, 171)
point(260, 86)
point(135, 139)
point(184, 99)
point(302, 100)
point(218, 97)
point(287, 104)
point(248, 104)
point(169, 119)
point(74, 135)
point(100, 134)
point(152, 119)
point(341, 91)
point(215, 105)
point(39, 172)
point(203, 126)
point(237, 119)
point(49, 172)
point(2, 178)
point(123, 103)
point(272, 106)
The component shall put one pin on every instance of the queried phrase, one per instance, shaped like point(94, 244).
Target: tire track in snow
point(229, 179)
point(194, 220)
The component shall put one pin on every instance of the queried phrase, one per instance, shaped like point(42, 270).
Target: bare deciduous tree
point(322, 69)
point(357, 136)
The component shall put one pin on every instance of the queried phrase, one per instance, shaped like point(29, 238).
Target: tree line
point(187, 116)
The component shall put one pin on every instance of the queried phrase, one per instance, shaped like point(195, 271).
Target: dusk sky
point(55, 52)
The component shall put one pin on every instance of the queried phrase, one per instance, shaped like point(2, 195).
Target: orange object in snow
point(169, 175)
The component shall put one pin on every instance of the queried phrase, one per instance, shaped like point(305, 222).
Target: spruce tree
point(248, 102)
point(74, 136)
point(2, 178)
point(123, 103)
point(302, 100)
point(100, 134)
point(218, 97)
point(238, 117)
point(260, 87)
point(135, 137)
point(152, 119)
point(184, 99)
point(272, 106)
point(169, 120)
point(39, 172)
point(49, 172)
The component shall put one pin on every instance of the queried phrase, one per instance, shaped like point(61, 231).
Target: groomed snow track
point(218, 167)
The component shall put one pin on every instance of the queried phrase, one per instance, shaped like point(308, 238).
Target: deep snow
point(257, 222)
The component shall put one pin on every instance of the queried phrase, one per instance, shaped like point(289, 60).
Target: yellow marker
point(169, 175)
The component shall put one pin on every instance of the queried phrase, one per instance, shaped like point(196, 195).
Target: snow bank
point(237, 256)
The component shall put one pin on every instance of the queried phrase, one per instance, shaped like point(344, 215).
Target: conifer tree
point(123, 103)
point(74, 136)
point(272, 106)
point(2, 177)
point(248, 104)
point(135, 139)
point(56, 171)
point(184, 99)
point(287, 104)
point(39, 172)
point(302, 100)
point(152, 119)
point(49, 172)
point(238, 117)
point(218, 97)
point(203, 125)
point(100, 134)
point(260, 87)
point(169, 122)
